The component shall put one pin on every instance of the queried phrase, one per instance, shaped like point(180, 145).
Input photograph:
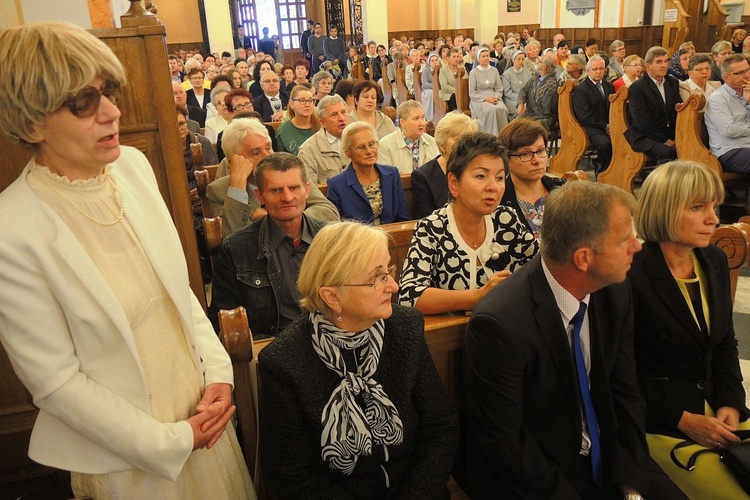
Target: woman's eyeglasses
point(304, 101)
point(364, 147)
point(85, 102)
point(380, 281)
point(529, 155)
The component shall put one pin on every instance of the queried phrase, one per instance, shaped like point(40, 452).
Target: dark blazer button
point(701, 384)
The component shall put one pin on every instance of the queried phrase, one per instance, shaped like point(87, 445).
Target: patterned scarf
point(348, 431)
point(413, 147)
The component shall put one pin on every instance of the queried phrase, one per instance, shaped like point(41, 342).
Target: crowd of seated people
point(493, 232)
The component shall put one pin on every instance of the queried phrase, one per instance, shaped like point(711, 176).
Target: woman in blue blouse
point(367, 191)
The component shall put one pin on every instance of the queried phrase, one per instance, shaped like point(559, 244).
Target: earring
point(338, 318)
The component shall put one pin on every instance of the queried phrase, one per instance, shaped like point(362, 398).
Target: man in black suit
point(272, 102)
point(533, 431)
point(240, 40)
point(652, 108)
point(591, 107)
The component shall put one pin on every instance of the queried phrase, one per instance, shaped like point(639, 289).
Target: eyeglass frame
point(243, 106)
point(305, 102)
point(364, 147)
point(532, 153)
point(390, 272)
point(110, 89)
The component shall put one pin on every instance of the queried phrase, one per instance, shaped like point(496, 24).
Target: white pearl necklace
point(81, 211)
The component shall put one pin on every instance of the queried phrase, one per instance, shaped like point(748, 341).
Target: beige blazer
point(392, 150)
point(686, 89)
point(69, 340)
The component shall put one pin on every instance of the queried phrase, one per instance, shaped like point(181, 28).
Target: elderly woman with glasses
point(352, 404)
point(527, 186)
point(367, 191)
point(92, 270)
point(466, 248)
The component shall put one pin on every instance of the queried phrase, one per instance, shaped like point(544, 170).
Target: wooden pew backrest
point(573, 139)
point(626, 163)
point(734, 240)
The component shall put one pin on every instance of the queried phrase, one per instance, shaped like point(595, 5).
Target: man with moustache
point(321, 153)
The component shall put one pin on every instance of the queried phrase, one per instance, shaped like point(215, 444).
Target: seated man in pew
point(257, 267)
point(554, 407)
point(538, 98)
point(180, 99)
point(246, 142)
point(272, 102)
point(728, 118)
point(321, 153)
point(591, 107)
point(652, 109)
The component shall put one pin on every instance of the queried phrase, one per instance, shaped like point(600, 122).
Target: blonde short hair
point(452, 126)
point(405, 108)
point(667, 191)
point(47, 62)
point(338, 252)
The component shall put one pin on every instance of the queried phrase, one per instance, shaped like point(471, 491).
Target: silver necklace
point(81, 211)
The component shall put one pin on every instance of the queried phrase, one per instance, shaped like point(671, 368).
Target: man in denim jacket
point(257, 266)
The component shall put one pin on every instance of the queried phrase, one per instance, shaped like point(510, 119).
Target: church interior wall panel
point(181, 19)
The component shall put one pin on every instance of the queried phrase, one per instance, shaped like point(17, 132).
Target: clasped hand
point(214, 411)
point(711, 431)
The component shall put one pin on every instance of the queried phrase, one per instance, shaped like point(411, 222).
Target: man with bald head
point(272, 102)
point(180, 100)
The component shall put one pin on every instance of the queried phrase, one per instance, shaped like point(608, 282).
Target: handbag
point(736, 458)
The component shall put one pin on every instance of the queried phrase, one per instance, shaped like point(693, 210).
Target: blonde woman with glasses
point(302, 123)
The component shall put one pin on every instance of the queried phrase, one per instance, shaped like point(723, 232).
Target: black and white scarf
point(348, 431)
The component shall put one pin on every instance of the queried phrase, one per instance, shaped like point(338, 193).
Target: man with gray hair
point(554, 409)
point(538, 98)
point(321, 153)
point(246, 142)
point(257, 267)
point(728, 118)
point(653, 116)
point(591, 108)
point(615, 69)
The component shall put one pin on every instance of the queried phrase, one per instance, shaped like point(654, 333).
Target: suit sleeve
point(494, 372)
point(421, 198)
point(334, 197)
point(319, 207)
point(402, 211)
point(583, 110)
point(234, 213)
point(640, 113)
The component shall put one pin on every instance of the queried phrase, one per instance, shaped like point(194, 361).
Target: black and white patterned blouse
point(439, 257)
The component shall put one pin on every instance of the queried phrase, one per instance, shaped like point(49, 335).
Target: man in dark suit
point(240, 40)
point(561, 323)
point(272, 102)
point(591, 107)
point(652, 108)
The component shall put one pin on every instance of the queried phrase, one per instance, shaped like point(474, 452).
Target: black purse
point(736, 458)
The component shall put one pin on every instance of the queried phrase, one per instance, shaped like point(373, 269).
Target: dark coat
point(509, 196)
point(262, 105)
point(295, 387)
point(651, 120)
point(678, 367)
point(429, 186)
point(524, 410)
point(590, 107)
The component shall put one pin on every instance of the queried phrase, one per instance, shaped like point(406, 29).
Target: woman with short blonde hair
point(352, 404)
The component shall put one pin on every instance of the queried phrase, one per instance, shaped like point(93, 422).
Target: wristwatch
point(632, 496)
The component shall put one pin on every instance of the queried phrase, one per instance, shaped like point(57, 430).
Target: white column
point(375, 21)
point(219, 25)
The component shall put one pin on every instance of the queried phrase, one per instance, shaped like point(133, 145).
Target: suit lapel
point(668, 291)
point(652, 86)
point(549, 322)
point(717, 309)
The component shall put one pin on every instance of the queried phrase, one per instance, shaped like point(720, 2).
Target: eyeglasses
point(305, 101)
point(380, 281)
point(740, 73)
point(364, 147)
point(529, 155)
point(85, 102)
point(241, 106)
point(270, 81)
point(182, 125)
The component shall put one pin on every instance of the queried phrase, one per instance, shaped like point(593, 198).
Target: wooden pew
point(441, 106)
point(400, 234)
point(387, 89)
point(403, 93)
point(626, 163)
point(675, 32)
point(692, 138)
point(573, 139)
point(462, 91)
point(734, 240)
point(417, 71)
point(203, 178)
point(358, 70)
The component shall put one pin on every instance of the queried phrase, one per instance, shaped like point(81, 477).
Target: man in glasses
point(257, 267)
point(246, 142)
point(591, 108)
point(272, 102)
point(728, 118)
point(180, 100)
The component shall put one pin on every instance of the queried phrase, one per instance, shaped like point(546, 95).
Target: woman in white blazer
point(96, 314)
point(408, 147)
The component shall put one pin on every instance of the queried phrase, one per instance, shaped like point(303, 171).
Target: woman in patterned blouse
point(464, 249)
